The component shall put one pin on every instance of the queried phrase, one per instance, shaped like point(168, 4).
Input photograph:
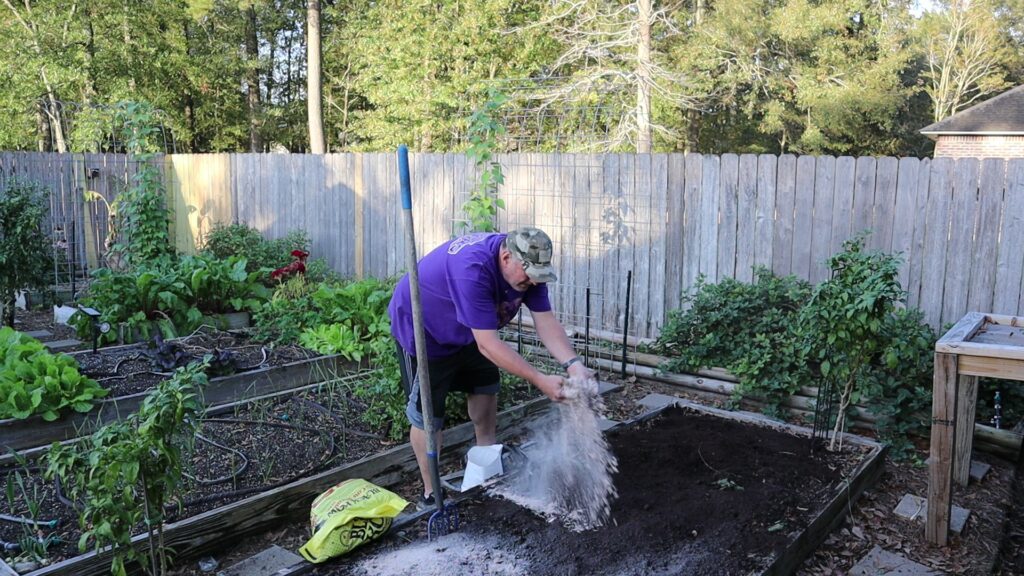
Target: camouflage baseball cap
point(533, 247)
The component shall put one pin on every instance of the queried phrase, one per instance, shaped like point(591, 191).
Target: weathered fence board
point(746, 216)
point(803, 214)
point(785, 192)
point(821, 232)
point(961, 237)
point(667, 218)
point(728, 207)
point(1009, 282)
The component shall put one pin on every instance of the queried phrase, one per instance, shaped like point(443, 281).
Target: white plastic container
point(482, 464)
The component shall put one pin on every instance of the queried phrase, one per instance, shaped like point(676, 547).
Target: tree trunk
point(314, 85)
point(643, 75)
point(692, 140)
point(253, 80)
point(7, 309)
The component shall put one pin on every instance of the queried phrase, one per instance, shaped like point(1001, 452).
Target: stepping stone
point(38, 334)
point(916, 508)
point(57, 345)
point(271, 561)
point(880, 562)
point(655, 401)
point(978, 470)
point(605, 424)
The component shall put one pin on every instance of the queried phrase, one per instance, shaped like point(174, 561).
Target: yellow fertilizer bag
point(349, 514)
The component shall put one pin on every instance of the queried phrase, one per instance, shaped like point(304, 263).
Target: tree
point(314, 91)
point(608, 55)
point(25, 250)
point(797, 75)
point(968, 54)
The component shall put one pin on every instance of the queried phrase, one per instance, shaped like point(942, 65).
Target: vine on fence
point(138, 219)
point(481, 209)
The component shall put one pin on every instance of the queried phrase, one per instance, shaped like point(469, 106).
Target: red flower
point(296, 267)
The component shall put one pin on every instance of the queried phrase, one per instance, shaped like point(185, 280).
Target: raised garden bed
point(128, 374)
point(266, 495)
point(701, 491)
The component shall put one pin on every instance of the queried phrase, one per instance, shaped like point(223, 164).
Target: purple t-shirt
point(462, 289)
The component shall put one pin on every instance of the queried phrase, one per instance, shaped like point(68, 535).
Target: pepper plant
point(25, 251)
point(845, 317)
point(125, 473)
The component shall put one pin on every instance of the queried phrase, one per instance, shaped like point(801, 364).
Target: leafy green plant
point(844, 319)
point(334, 339)
point(481, 209)
point(126, 472)
point(170, 296)
point(218, 286)
point(25, 250)
point(897, 388)
point(141, 301)
point(34, 381)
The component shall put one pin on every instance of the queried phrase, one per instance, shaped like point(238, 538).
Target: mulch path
point(31, 320)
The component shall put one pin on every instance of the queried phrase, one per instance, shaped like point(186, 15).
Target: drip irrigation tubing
point(338, 419)
point(219, 480)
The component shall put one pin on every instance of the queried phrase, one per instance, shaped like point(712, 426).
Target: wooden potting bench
point(979, 344)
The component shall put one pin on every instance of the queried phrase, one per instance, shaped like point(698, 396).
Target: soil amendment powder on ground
point(456, 553)
point(568, 473)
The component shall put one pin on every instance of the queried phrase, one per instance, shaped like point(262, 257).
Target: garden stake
point(625, 326)
point(586, 331)
point(446, 518)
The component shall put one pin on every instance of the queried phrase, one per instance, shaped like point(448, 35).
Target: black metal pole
point(586, 332)
point(519, 336)
point(625, 327)
point(71, 246)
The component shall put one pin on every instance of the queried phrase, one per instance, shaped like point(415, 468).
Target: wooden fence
point(667, 218)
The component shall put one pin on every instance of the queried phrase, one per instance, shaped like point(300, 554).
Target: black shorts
point(465, 371)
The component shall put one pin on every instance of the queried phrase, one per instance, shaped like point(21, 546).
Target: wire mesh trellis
point(555, 179)
point(79, 229)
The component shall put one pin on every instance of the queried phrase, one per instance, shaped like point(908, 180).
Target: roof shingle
point(1003, 114)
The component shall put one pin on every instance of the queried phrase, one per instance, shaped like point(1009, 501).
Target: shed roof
point(1001, 115)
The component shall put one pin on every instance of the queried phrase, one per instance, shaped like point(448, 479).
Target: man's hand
point(551, 386)
point(579, 371)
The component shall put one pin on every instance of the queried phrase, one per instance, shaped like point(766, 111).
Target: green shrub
point(25, 251)
point(777, 335)
point(898, 386)
point(748, 329)
point(34, 381)
point(262, 255)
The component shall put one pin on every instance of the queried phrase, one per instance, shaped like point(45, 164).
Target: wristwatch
point(570, 362)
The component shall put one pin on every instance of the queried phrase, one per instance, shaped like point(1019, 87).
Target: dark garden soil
point(256, 448)
point(130, 370)
point(697, 495)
